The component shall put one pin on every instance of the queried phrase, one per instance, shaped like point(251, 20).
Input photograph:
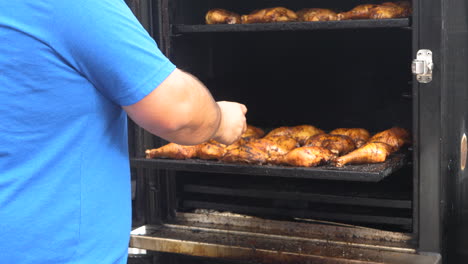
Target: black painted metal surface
point(454, 97)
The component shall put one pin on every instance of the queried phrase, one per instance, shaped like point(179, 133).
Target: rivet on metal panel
point(463, 152)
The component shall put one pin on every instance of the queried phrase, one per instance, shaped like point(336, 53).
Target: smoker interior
point(329, 79)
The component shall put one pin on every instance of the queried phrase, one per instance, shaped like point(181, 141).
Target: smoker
point(408, 72)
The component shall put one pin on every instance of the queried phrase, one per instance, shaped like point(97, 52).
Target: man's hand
point(233, 122)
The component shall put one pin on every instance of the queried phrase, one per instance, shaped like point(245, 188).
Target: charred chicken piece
point(222, 16)
point(267, 15)
point(359, 12)
point(173, 151)
point(307, 156)
point(360, 136)
point(261, 151)
point(337, 144)
point(396, 137)
point(299, 133)
point(374, 152)
point(316, 14)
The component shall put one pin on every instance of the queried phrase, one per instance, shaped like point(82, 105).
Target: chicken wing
point(267, 15)
point(299, 133)
point(374, 152)
point(396, 137)
point(222, 16)
point(337, 144)
point(173, 151)
point(359, 135)
point(359, 12)
point(307, 156)
point(316, 14)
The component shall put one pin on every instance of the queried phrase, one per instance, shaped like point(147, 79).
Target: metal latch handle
point(422, 66)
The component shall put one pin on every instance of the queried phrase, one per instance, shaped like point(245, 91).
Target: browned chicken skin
point(374, 152)
point(246, 154)
point(396, 137)
point(307, 156)
point(173, 151)
point(337, 144)
point(300, 133)
point(212, 150)
point(222, 16)
point(261, 151)
point(316, 14)
point(406, 6)
point(360, 136)
point(253, 132)
point(267, 15)
point(372, 11)
point(359, 12)
point(400, 9)
point(208, 150)
point(387, 10)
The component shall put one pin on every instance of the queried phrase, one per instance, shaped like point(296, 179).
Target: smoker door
point(440, 153)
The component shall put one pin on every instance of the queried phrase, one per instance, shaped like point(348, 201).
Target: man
point(70, 71)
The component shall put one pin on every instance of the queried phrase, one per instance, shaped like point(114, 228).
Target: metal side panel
point(246, 238)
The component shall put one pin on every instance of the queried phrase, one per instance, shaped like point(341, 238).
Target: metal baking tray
point(363, 173)
point(294, 26)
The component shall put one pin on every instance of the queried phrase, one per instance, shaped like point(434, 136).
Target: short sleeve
point(103, 41)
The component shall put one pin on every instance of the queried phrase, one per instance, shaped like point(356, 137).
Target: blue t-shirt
point(66, 68)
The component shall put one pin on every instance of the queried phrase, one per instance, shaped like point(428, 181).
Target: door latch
point(422, 66)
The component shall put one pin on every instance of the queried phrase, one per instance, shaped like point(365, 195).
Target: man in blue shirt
point(70, 72)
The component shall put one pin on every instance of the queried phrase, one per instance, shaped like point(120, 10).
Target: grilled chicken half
point(307, 157)
point(222, 16)
point(337, 144)
point(316, 14)
point(360, 136)
point(267, 15)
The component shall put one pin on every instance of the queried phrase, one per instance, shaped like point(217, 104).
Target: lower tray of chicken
point(299, 146)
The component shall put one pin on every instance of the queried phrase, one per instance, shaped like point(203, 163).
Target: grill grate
point(362, 173)
point(294, 26)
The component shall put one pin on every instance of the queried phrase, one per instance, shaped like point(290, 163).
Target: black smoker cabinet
point(409, 72)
